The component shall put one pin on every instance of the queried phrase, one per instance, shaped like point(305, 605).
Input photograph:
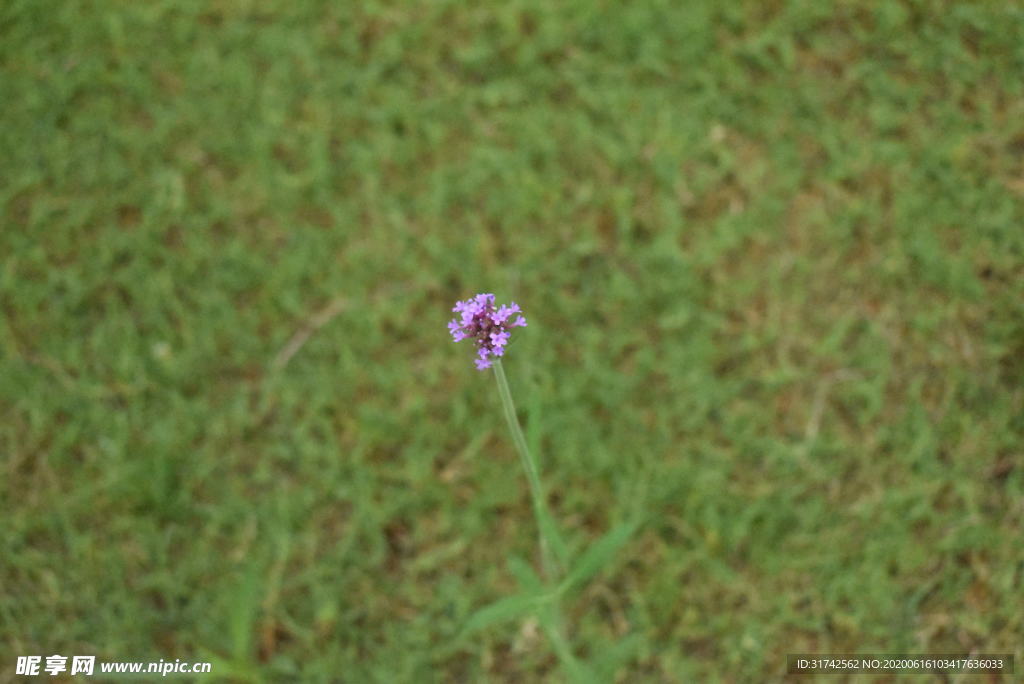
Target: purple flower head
point(488, 326)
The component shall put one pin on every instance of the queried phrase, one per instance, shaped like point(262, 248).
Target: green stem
point(536, 493)
point(551, 616)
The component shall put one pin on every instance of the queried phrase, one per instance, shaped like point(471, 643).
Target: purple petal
point(501, 315)
point(480, 320)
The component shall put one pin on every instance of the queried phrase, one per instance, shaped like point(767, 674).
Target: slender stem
point(551, 618)
point(536, 493)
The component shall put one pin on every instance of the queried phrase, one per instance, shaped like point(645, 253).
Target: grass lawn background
point(772, 259)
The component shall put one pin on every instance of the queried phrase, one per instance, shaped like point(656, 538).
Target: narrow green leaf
point(594, 559)
point(525, 575)
point(502, 610)
point(551, 622)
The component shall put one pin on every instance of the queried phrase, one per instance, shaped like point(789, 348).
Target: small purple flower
point(486, 325)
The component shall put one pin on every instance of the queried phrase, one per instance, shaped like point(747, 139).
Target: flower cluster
point(487, 325)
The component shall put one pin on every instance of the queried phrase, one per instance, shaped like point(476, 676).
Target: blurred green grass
point(773, 261)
